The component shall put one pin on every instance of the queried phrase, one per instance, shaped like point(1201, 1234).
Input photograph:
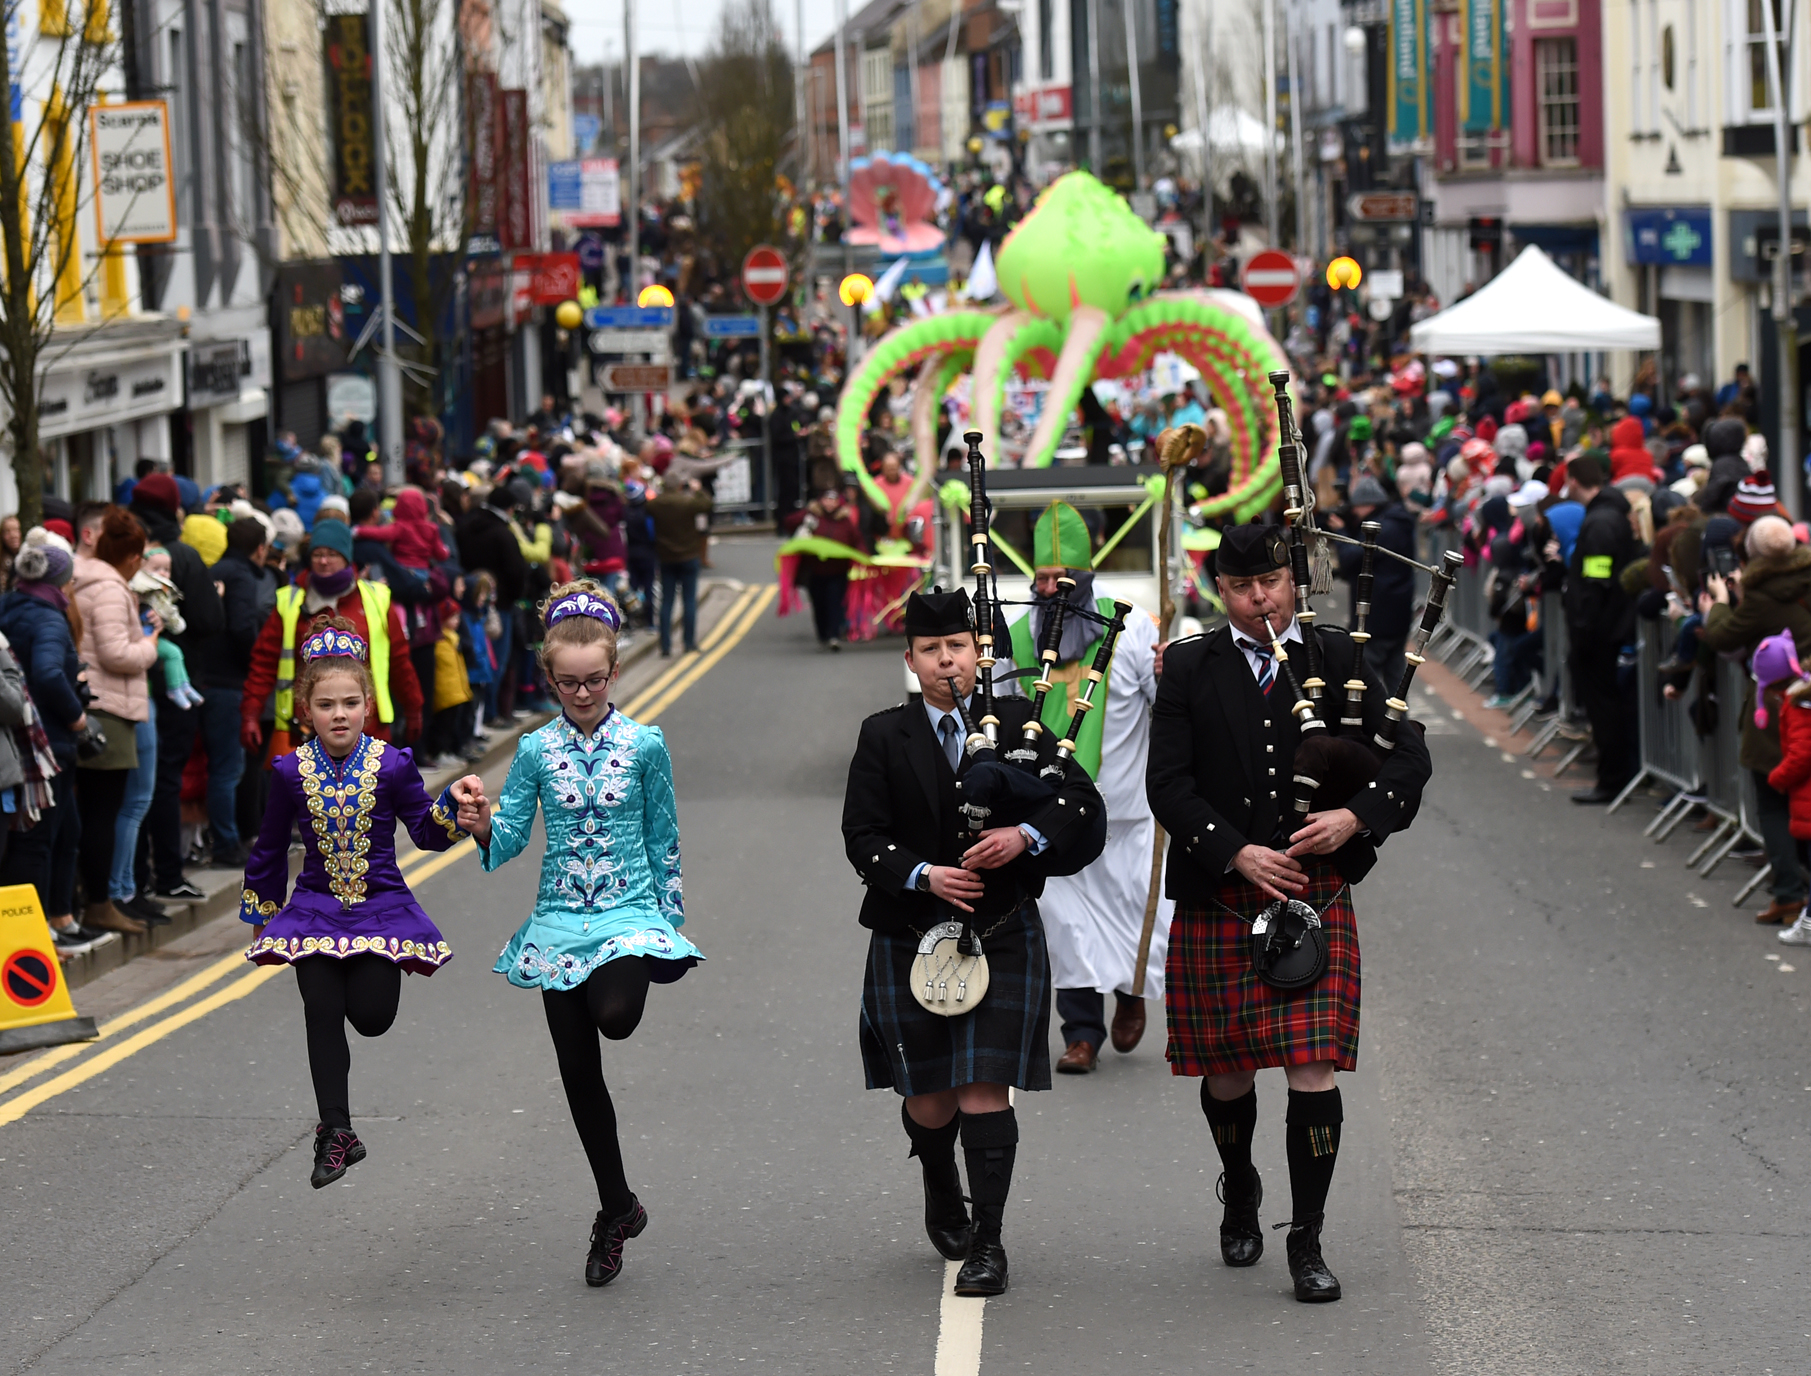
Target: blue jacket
point(306, 491)
point(45, 649)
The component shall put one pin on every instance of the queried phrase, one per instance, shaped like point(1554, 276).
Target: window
point(877, 97)
point(1635, 124)
point(1046, 40)
point(179, 146)
point(1691, 64)
point(1760, 101)
point(1666, 56)
point(1556, 77)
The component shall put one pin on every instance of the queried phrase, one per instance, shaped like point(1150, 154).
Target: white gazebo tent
point(1532, 307)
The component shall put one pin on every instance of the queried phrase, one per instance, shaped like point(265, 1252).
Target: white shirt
point(1257, 661)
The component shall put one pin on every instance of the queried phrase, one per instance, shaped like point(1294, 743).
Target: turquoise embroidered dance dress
point(610, 882)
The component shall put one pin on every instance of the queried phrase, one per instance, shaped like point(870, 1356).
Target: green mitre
point(1060, 539)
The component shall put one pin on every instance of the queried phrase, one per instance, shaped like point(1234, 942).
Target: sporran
point(949, 973)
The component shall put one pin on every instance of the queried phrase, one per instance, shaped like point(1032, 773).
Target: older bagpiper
point(1223, 745)
point(911, 844)
point(1095, 919)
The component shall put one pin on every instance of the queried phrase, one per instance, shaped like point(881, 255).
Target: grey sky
point(681, 26)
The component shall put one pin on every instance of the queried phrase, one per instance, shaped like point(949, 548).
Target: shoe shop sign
point(134, 198)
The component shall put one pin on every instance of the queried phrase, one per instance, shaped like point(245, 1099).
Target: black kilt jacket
point(900, 809)
point(1209, 778)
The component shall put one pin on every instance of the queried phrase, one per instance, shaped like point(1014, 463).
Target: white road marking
point(958, 1329)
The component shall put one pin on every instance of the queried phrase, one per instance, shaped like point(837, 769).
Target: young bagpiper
point(606, 918)
point(351, 927)
point(908, 838)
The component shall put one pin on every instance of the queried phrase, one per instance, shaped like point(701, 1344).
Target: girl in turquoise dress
point(606, 919)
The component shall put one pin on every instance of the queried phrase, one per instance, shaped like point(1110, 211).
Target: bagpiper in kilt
point(1220, 781)
point(922, 866)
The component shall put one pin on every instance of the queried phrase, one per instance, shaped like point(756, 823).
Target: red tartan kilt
point(1223, 1018)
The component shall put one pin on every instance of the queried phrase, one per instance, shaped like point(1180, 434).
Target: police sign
point(134, 198)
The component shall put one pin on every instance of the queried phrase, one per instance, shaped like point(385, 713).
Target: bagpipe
point(1334, 761)
point(1004, 788)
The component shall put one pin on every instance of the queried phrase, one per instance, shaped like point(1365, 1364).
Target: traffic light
point(1485, 234)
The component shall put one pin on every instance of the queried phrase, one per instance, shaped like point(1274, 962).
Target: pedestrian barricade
point(1669, 743)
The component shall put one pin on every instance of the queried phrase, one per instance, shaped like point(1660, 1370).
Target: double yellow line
point(418, 868)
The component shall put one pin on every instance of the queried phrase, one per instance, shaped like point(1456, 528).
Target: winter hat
point(1754, 450)
point(206, 536)
point(1360, 429)
point(333, 506)
point(44, 558)
point(158, 490)
point(1725, 438)
point(1754, 498)
point(1530, 493)
point(1775, 660)
point(1695, 456)
point(333, 535)
point(286, 528)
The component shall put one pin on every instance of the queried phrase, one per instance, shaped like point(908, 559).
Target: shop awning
point(1532, 307)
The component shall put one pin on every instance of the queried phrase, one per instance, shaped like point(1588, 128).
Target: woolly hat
point(44, 558)
point(1724, 438)
point(1360, 429)
point(1775, 660)
point(1754, 497)
point(1530, 493)
point(158, 490)
point(1367, 491)
point(286, 528)
point(333, 535)
point(1695, 456)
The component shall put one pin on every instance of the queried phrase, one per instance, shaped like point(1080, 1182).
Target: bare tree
point(59, 72)
point(746, 112)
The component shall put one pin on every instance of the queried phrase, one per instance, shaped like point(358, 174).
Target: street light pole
point(1272, 220)
point(389, 375)
point(1791, 480)
point(1094, 86)
point(633, 208)
point(1137, 100)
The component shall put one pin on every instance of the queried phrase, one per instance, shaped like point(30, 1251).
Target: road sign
point(591, 253)
point(34, 1000)
point(732, 327)
point(635, 377)
point(1386, 283)
point(764, 274)
point(1271, 278)
point(628, 341)
point(628, 317)
point(1375, 206)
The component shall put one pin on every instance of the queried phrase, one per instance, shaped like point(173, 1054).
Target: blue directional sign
point(732, 327)
point(628, 317)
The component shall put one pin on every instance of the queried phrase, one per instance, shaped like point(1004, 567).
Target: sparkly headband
point(332, 643)
point(584, 603)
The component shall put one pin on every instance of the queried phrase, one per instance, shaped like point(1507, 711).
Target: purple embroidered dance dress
point(351, 897)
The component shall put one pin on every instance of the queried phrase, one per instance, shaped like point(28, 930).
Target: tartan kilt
point(1223, 1018)
point(1005, 1041)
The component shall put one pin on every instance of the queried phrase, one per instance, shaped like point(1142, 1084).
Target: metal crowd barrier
point(1669, 743)
point(745, 488)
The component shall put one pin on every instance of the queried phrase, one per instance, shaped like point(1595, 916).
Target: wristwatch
point(924, 880)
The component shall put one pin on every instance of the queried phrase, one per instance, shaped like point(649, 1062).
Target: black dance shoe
point(1241, 1236)
point(1314, 1283)
point(945, 1214)
point(984, 1273)
point(604, 1263)
point(334, 1150)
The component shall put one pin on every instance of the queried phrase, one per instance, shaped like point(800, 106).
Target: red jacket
point(1628, 450)
point(1792, 775)
point(405, 688)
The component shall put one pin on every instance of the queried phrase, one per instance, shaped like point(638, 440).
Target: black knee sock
point(935, 1148)
point(1233, 1121)
point(990, 1141)
point(1313, 1140)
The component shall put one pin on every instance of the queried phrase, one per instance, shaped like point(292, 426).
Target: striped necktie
point(1267, 668)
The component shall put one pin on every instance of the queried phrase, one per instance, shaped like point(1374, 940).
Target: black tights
point(362, 990)
point(611, 1002)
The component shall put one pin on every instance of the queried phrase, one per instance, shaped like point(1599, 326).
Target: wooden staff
point(1176, 449)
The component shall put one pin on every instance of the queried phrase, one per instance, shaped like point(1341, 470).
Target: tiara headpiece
point(332, 643)
point(585, 603)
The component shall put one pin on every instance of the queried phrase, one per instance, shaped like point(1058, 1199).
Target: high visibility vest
point(375, 598)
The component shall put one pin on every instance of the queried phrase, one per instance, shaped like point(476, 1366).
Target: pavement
point(1575, 1141)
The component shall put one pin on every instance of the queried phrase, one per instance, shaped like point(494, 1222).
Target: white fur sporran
point(945, 980)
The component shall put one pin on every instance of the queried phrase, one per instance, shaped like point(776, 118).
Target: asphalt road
point(1575, 1142)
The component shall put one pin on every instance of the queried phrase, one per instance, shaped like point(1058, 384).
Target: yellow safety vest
point(376, 600)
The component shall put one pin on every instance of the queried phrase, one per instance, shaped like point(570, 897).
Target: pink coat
point(114, 644)
point(412, 535)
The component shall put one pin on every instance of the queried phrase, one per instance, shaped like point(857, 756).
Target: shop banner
point(134, 197)
point(484, 121)
point(349, 119)
point(1484, 76)
point(310, 320)
point(1409, 104)
point(515, 227)
point(586, 192)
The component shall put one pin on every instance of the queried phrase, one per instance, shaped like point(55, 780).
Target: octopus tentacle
point(991, 369)
point(935, 375)
point(1088, 331)
point(904, 348)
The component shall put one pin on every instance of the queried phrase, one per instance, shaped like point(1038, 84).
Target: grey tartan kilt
point(1005, 1041)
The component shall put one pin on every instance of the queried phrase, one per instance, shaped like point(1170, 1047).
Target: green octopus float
point(1080, 273)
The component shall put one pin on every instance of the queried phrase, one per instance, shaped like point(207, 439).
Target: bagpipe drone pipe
point(1333, 763)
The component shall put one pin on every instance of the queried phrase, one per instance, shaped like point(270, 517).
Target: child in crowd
point(1783, 691)
point(605, 922)
point(352, 926)
point(158, 594)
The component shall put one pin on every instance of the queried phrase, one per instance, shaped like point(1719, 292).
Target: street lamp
point(654, 295)
point(854, 289)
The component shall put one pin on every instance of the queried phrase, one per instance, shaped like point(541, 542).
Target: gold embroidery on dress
point(248, 902)
point(341, 814)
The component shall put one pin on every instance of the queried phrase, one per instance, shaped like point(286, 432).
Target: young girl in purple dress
point(351, 927)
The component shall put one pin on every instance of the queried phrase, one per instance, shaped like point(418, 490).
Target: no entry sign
point(1271, 278)
point(28, 978)
point(764, 274)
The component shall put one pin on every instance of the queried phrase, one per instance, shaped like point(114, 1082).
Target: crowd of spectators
point(147, 645)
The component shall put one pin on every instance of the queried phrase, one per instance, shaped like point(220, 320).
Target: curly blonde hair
point(575, 630)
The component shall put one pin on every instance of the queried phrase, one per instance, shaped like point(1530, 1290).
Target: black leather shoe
point(1241, 1236)
point(984, 1273)
point(945, 1214)
point(334, 1150)
point(144, 908)
point(604, 1263)
point(1591, 797)
point(1314, 1283)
